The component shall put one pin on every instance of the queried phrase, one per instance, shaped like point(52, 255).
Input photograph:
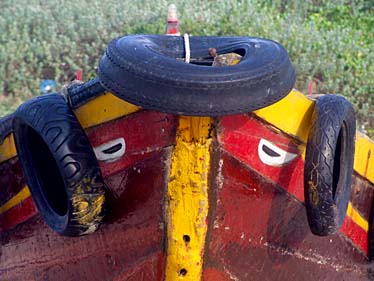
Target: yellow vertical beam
point(187, 199)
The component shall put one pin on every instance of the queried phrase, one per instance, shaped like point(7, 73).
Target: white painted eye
point(111, 151)
point(272, 155)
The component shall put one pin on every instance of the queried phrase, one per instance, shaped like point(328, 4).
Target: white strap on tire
point(187, 47)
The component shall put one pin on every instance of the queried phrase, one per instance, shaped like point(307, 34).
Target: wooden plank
point(259, 232)
point(130, 243)
point(241, 135)
point(143, 133)
point(292, 115)
point(187, 199)
point(103, 108)
point(11, 180)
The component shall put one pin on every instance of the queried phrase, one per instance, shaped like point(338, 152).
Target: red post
point(79, 75)
point(172, 26)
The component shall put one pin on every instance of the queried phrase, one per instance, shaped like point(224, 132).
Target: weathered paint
point(241, 135)
point(129, 246)
point(291, 114)
point(144, 132)
point(362, 195)
point(187, 199)
point(357, 218)
point(18, 214)
point(141, 143)
point(364, 157)
point(102, 109)
point(356, 234)
point(11, 179)
point(15, 200)
point(7, 148)
point(258, 231)
point(255, 200)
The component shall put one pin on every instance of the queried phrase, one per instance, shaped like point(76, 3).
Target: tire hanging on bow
point(329, 164)
point(59, 165)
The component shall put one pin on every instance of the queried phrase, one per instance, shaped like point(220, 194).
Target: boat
point(173, 174)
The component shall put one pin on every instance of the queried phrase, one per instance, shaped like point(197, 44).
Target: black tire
point(59, 165)
point(149, 71)
point(329, 164)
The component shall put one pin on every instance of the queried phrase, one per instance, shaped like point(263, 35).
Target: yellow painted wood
point(364, 157)
point(15, 200)
point(7, 148)
point(103, 109)
point(291, 115)
point(187, 199)
point(357, 218)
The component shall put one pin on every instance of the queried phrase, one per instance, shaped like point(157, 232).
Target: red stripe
point(18, 214)
point(356, 234)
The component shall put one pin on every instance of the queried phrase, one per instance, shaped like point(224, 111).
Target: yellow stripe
point(97, 111)
point(357, 218)
point(187, 199)
point(292, 115)
point(7, 149)
point(15, 200)
point(364, 157)
point(103, 109)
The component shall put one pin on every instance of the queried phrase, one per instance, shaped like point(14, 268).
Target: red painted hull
point(257, 225)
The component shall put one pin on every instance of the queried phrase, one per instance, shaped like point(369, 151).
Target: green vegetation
point(330, 42)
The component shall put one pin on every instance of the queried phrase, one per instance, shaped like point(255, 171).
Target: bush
point(330, 42)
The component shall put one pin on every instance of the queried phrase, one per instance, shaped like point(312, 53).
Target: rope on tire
point(187, 47)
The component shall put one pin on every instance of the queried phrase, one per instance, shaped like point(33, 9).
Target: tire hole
point(339, 159)
point(47, 172)
point(240, 52)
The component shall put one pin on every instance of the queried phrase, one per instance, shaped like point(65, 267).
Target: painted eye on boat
point(110, 151)
point(272, 155)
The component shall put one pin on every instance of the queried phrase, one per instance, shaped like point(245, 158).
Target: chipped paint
point(364, 158)
point(187, 199)
point(7, 148)
point(102, 109)
point(292, 115)
point(15, 200)
point(357, 218)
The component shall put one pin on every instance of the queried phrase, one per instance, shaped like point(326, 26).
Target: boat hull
point(255, 220)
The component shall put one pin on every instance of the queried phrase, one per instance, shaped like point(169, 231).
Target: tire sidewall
point(35, 116)
point(326, 207)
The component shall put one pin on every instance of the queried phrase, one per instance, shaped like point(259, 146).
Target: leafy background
point(330, 42)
